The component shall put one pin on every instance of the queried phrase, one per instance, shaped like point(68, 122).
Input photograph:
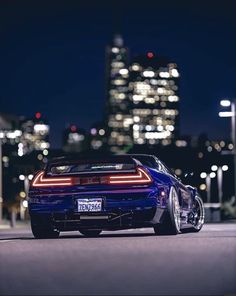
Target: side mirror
point(188, 175)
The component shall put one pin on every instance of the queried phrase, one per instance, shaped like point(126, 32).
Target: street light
point(22, 177)
point(208, 187)
point(212, 175)
point(220, 171)
point(216, 172)
point(207, 177)
point(1, 181)
point(30, 177)
point(225, 168)
point(24, 203)
point(203, 175)
point(214, 168)
point(225, 103)
point(232, 114)
point(26, 179)
point(225, 114)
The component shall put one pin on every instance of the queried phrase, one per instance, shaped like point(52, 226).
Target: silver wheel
point(198, 214)
point(175, 209)
point(171, 223)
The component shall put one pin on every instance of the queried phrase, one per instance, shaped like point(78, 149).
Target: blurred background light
point(214, 168)
point(225, 168)
point(225, 103)
point(212, 175)
point(203, 175)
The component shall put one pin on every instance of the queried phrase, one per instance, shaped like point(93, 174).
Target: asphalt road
point(125, 262)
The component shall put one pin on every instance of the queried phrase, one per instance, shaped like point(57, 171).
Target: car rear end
point(113, 193)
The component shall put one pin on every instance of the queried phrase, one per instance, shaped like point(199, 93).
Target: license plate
point(89, 205)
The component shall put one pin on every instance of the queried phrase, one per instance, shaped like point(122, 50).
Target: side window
point(166, 169)
point(147, 161)
point(161, 167)
point(156, 163)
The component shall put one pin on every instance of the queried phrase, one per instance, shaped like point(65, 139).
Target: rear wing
point(78, 166)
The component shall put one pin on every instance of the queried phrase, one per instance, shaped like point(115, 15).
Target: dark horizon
point(53, 58)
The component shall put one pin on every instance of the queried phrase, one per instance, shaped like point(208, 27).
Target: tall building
point(10, 132)
point(26, 134)
point(118, 118)
point(153, 87)
point(142, 105)
point(22, 137)
point(35, 135)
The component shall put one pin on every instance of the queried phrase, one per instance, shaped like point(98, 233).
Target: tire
point(172, 222)
point(90, 232)
point(198, 213)
point(43, 230)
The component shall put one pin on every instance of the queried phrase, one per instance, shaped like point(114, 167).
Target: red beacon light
point(150, 55)
point(38, 115)
point(73, 128)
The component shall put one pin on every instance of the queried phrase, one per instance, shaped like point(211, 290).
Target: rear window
point(90, 168)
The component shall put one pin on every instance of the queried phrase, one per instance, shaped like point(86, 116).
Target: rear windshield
point(90, 168)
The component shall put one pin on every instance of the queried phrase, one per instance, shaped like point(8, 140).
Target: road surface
point(133, 262)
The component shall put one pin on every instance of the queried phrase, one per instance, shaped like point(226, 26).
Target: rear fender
point(193, 190)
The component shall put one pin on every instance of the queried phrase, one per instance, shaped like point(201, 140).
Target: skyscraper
point(118, 117)
point(153, 87)
point(29, 134)
point(35, 135)
point(142, 105)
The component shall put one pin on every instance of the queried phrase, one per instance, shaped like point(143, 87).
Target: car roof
point(128, 158)
point(144, 155)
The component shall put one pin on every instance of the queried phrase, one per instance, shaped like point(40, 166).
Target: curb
point(6, 225)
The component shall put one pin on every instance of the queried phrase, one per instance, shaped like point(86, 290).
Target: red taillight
point(141, 177)
point(40, 181)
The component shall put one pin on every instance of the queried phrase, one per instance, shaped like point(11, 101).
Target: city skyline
point(142, 98)
point(69, 66)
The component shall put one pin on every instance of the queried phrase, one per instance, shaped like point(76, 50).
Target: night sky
point(52, 57)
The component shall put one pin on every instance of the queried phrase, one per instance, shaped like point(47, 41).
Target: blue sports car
point(112, 193)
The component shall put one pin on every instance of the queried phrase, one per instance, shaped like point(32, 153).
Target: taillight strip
point(141, 177)
point(127, 176)
point(40, 181)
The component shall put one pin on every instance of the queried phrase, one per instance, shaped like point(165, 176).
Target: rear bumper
point(121, 209)
point(69, 221)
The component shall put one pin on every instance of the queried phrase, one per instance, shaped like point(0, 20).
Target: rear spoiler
point(95, 165)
